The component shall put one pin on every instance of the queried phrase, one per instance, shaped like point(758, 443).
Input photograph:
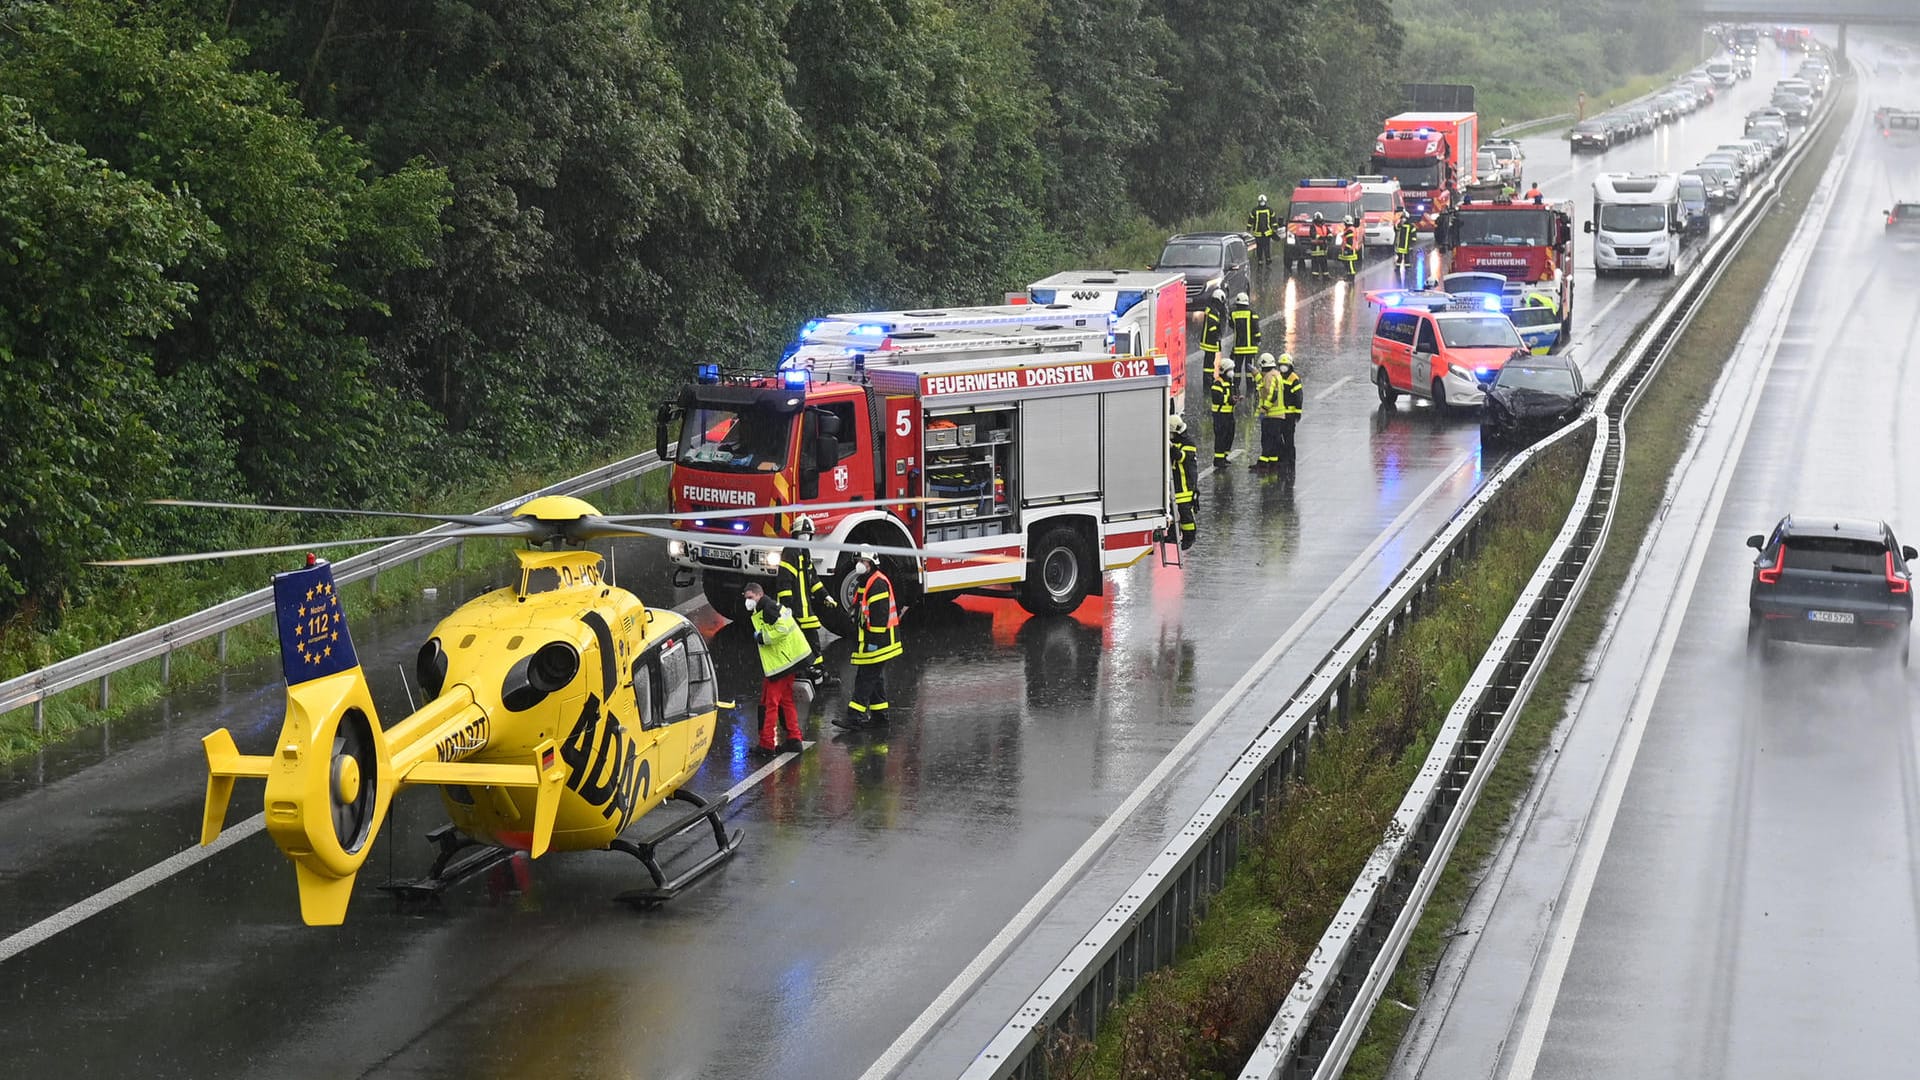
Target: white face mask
point(863, 567)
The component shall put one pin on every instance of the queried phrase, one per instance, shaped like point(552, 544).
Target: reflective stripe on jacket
point(800, 588)
point(1180, 455)
point(1246, 332)
point(1260, 222)
point(782, 645)
point(1220, 394)
point(1210, 332)
point(879, 621)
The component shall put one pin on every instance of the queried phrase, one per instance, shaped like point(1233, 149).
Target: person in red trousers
point(784, 650)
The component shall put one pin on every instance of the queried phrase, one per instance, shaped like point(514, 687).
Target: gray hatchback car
point(1830, 581)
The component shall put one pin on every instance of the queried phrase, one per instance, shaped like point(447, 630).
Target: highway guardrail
point(98, 666)
point(1323, 1016)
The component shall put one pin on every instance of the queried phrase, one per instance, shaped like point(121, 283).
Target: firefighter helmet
point(1263, 200)
point(1347, 220)
point(802, 527)
point(1224, 365)
point(1178, 424)
point(1218, 295)
point(1318, 217)
point(1267, 362)
point(1241, 300)
point(1285, 363)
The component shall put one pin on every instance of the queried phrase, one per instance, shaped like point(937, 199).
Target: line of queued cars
point(1722, 177)
point(1689, 93)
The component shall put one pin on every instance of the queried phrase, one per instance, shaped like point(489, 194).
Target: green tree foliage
point(83, 292)
point(420, 240)
point(1531, 57)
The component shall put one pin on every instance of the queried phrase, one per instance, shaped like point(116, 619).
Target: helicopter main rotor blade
point(452, 519)
point(507, 529)
point(767, 511)
point(810, 545)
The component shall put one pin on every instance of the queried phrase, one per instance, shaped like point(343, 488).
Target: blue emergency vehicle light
point(1042, 296)
point(812, 326)
point(870, 330)
point(795, 378)
point(1392, 299)
point(1124, 302)
point(707, 373)
point(1491, 303)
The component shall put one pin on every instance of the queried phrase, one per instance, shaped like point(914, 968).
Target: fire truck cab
point(1431, 154)
point(1052, 463)
point(1528, 242)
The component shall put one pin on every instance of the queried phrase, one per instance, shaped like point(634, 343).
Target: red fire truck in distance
point(1431, 154)
point(1058, 459)
point(1523, 241)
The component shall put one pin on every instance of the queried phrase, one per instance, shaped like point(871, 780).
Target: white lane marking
point(22, 940)
point(1208, 471)
point(1615, 302)
point(1586, 870)
point(126, 889)
point(1331, 387)
point(1017, 927)
point(763, 772)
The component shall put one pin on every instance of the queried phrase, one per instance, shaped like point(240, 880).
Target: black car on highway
point(1209, 261)
point(1591, 135)
point(1830, 581)
point(1531, 396)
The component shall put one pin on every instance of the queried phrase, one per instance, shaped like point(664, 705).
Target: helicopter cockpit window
point(539, 579)
point(646, 691)
point(701, 685)
point(745, 438)
point(673, 680)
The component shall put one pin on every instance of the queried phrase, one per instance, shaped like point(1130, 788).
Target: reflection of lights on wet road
point(1340, 300)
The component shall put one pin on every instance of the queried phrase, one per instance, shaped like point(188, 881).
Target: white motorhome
point(1636, 223)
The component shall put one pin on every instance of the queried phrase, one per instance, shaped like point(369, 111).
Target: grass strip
point(1201, 1017)
point(142, 684)
point(1657, 432)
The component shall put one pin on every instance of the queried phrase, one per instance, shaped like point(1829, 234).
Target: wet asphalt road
point(1755, 910)
point(874, 868)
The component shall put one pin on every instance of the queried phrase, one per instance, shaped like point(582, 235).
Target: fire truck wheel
point(723, 592)
point(1384, 386)
point(1058, 578)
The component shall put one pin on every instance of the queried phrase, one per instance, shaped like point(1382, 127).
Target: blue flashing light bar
point(795, 378)
point(1491, 303)
point(1042, 296)
point(707, 373)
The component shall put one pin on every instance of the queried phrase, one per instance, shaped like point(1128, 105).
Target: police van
point(1636, 223)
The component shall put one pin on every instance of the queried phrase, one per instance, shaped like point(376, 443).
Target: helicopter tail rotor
point(334, 770)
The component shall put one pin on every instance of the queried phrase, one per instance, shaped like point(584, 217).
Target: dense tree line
point(365, 250)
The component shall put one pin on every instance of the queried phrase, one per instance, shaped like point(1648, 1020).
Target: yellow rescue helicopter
point(561, 711)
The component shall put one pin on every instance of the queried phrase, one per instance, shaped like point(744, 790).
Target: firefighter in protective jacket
point(876, 614)
point(1213, 329)
point(1221, 395)
point(800, 589)
point(1405, 232)
point(1260, 224)
point(1181, 454)
point(1246, 335)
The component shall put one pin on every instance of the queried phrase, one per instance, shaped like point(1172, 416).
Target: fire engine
point(1054, 463)
point(1529, 243)
point(1429, 153)
point(1125, 312)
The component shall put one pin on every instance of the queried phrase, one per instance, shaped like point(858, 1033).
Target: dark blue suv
point(1830, 581)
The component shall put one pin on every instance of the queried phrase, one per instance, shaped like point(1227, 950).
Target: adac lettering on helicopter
point(718, 496)
point(467, 740)
point(607, 772)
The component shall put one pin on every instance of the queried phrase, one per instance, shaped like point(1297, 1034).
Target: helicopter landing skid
point(460, 858)
point(643, 848)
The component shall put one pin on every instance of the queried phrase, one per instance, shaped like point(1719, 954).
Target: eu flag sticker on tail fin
point(313, 628)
